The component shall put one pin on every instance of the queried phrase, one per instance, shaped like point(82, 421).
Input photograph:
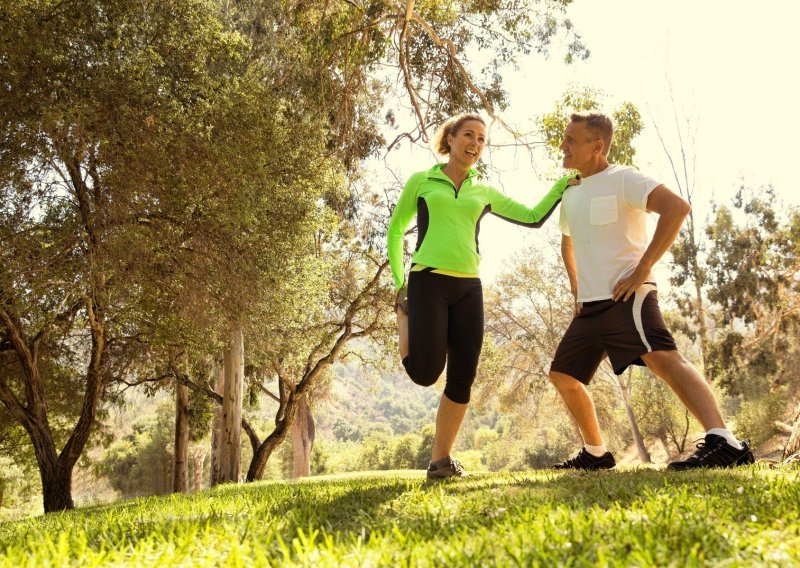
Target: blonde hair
point(451, 127)
point(598, 124)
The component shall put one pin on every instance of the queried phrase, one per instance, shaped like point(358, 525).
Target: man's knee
point(662, 361)
point(562, 381)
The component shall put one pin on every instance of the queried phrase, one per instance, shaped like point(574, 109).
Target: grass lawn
point(639, 517)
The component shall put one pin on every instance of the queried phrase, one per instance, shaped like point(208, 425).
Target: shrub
point(755, 419)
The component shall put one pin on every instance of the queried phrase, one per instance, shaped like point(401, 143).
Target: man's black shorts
point(622, 330)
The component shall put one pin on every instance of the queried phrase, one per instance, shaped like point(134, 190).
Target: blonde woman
point(440, 307)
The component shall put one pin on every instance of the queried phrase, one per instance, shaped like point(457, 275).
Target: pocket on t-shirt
point(603, 210)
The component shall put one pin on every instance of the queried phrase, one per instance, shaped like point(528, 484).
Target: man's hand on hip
point(626, 287)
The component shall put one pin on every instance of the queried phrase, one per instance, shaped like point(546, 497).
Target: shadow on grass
point(353, 508)
point(620, 487)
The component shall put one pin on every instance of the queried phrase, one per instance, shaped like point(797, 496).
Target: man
point(608, 260)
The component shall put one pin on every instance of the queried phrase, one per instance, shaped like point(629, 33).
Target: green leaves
point(626, 118)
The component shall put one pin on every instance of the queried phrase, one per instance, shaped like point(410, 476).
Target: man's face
point(580, 147)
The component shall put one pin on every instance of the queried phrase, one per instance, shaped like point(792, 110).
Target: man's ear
point(600, 145)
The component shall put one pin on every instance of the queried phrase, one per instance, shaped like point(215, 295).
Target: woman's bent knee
point(422, 377)
point(424, 380)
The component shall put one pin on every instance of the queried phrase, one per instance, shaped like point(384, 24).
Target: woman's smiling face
point(467, 144)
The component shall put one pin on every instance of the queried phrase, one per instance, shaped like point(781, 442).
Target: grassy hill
point(643, 517)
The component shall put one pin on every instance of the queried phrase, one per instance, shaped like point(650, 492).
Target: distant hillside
point(359, 405)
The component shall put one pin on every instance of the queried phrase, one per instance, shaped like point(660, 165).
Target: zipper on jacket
point(450, 183)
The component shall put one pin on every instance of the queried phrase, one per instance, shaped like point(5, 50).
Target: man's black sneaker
point(585, 460)
point(445, 467)
point(715, 451)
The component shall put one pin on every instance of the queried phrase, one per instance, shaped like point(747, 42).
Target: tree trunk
point(286, 412)
point(701, 317)
point(199, 459)
point(55, 468)
point(644, 455)
point(180, 469)
point(57, 491)
point(303, 432)
point(216, 426)
point(271, 442)
point(792, 449)
point(230, 451)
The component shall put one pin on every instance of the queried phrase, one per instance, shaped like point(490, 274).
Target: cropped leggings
point(445, 323)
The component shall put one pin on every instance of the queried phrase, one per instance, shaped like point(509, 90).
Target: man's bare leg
point(580, 405)
point(690, 386)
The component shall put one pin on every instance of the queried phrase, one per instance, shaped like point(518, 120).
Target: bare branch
point(269, 393)
point(451, 50)
point(407, 72)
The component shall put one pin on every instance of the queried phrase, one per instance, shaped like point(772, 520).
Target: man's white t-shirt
point(606, 217)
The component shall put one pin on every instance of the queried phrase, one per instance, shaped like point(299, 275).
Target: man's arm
point(672, 209)
point(568, 255)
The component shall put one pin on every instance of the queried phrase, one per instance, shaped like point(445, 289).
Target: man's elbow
point(678, 208)
point(684, 208)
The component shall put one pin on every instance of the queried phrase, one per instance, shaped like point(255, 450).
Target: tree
point(792, 450)
point(121, 153)
point(359, 308)
point(627, 123)
point(180, 462)
point(218, 377)
point(753, 276)
point(527, 311)
point(661, 416)
point(303, 434)
point(139, 463)
point(335, 70)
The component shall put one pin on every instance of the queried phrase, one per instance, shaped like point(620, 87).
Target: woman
point(441, 318)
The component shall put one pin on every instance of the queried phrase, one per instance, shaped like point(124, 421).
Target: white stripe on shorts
point(638, 300)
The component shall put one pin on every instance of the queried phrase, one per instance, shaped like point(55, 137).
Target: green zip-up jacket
point(448, 219)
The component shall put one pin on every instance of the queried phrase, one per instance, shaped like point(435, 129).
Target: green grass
point(745, 517)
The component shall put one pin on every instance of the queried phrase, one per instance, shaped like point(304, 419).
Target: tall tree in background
point(627, 123)
point(76, 100)
point(131, 163)
point(754, 284)
point(333, 57)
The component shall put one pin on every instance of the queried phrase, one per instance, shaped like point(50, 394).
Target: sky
point(730, 65)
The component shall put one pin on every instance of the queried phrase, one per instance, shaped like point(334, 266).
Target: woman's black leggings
point(445, 322)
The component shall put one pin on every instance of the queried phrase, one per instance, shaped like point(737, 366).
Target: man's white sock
point(728, 435)
point(596, 451)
